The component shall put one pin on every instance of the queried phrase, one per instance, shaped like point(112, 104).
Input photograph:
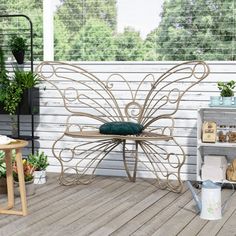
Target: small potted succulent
point(28, 176)
point(18, 47)
point(40, 162)
point(226, 97)
point(226, 92)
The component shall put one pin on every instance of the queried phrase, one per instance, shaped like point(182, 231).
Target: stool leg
point(21, 181)
point(10, 189)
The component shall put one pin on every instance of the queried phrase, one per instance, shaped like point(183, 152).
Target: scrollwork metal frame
point(149, 111)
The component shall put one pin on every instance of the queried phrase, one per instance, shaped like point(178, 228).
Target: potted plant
point(28, 170)
point(226, 92)
point(40, 162)
point(18, 47)
point(27, 80)
point(17, 90)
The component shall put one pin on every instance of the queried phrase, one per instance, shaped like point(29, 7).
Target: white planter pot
point(40, 177)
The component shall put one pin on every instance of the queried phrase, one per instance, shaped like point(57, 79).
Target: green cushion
point(121, 128)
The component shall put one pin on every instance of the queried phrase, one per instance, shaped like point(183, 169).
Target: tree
point(197, 29)
point(130, 46)
point(74, 14)
point(151, 46)
point(62, 45)
point(34, 10)
point(94, 42)
point(72, 21)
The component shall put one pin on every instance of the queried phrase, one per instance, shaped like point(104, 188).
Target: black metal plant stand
point(30, 111)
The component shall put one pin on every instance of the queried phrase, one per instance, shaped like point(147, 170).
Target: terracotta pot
point(29, 187)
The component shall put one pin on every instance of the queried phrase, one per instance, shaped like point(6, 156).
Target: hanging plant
point(18, 47)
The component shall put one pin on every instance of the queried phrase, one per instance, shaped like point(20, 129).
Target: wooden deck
point(113, 206)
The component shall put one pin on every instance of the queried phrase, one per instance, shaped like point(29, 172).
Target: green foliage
point(12, 97)
point(34, 10)
point(3, 77)
point(94, 42)
point(12, 89)
point(39, 161)
point(202, 29)
point(151, 46)
point(129, 46)
point(62, 45)
point(83, 10)
point(17, 43)
point(28, 171)
point(71, 16)
point(189, 30)
point(226, 89)
point(25, 79)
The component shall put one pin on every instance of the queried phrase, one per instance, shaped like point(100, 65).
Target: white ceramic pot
point(29, 187)
point(40, 176)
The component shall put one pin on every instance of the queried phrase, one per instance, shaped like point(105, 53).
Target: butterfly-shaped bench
point(92, 102)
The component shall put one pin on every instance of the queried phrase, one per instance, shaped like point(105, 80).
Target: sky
point(143, 15)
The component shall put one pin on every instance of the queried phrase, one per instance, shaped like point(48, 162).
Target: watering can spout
point(195, 196)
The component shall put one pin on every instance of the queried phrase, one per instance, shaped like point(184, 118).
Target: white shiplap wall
point(50, 123)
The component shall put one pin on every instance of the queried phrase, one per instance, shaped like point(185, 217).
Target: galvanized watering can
point(209, 205)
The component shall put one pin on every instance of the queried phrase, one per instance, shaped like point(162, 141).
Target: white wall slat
point(49, 125)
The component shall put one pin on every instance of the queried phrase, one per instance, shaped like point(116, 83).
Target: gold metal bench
point(91, 102)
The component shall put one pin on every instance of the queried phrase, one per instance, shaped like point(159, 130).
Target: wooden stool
point(10, 188)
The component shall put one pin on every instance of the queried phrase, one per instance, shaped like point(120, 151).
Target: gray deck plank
point(147, 214)
point(133, 207)
point(152, 225)
point(229, 228)
point(113, 206)
point(213, 227)
point(76, 207)
point(106, 211)
point(42, 207)
point(197, 224)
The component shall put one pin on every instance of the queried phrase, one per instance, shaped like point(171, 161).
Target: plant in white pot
point(40, 163)
point(226, 92)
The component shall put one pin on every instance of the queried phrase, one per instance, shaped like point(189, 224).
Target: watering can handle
point(230, 196)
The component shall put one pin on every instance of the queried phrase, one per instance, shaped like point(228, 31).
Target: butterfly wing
point(164, 97)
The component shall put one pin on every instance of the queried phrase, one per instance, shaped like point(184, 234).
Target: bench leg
point(132, 178)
